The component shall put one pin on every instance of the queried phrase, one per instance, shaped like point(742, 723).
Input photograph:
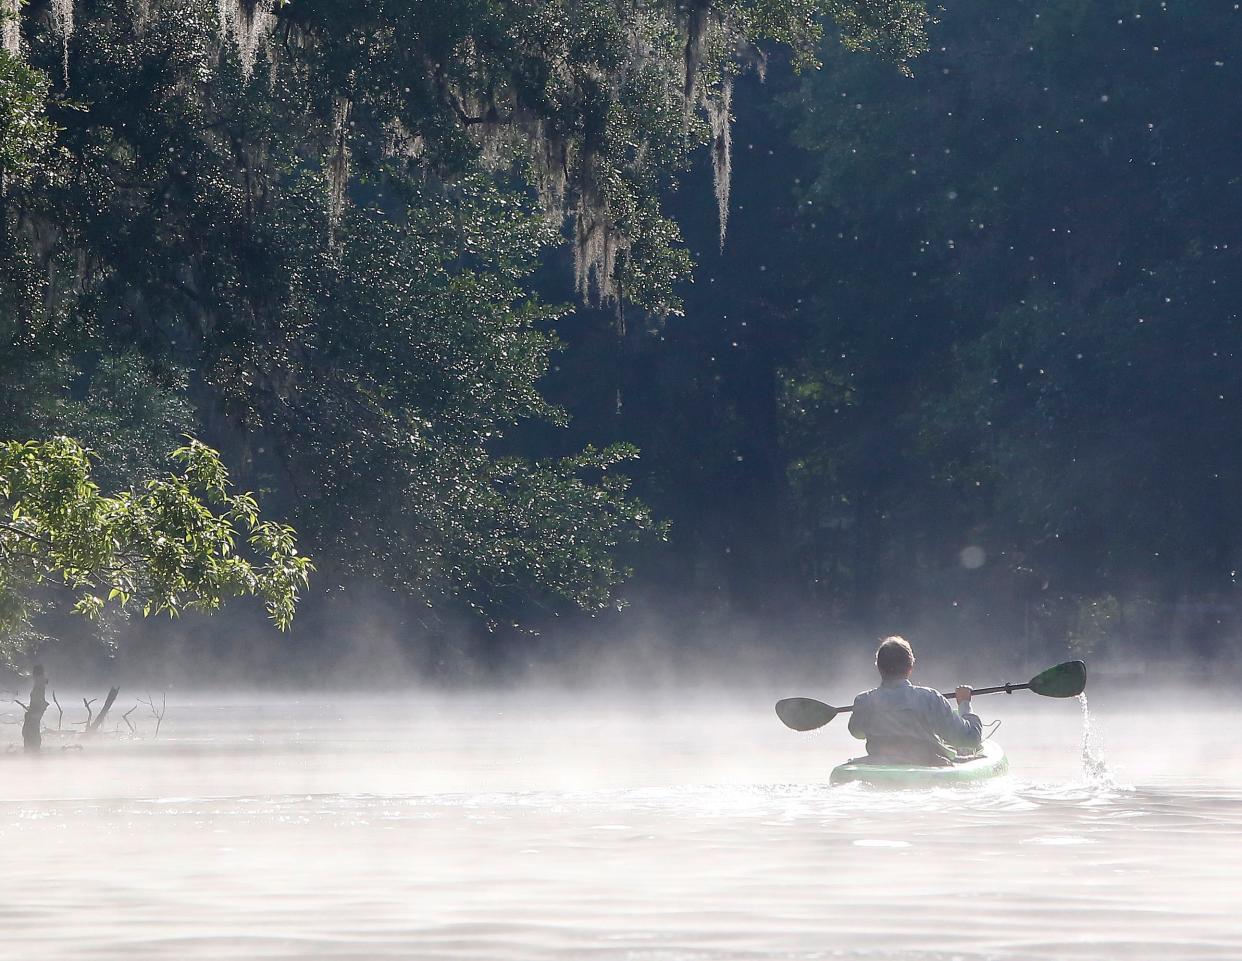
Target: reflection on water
point(528, 828)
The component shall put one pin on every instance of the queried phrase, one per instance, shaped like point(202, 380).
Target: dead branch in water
point(157, 713)
point(90, 713)
point(125, 718)
point(92, 726)
point(61, 719)
point(13, 719)
point(12, 698)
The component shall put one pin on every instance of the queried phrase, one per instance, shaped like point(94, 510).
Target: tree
point(26, 134)
point(322, 217)
point(181, 542)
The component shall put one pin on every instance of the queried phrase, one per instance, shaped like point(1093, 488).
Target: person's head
point(894, 658)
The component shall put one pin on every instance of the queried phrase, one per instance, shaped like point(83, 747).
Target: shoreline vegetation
point(715, 320)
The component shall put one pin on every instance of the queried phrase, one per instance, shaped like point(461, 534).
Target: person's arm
point(858, 719)
point(963, 730)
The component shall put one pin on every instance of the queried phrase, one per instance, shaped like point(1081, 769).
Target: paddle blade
point(1064, 680)
point(804, 713)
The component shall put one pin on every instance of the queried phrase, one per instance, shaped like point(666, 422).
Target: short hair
point(894, 657)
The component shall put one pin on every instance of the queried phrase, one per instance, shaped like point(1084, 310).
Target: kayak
point(990, 762)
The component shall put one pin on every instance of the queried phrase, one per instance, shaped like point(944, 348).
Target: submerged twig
point(125, 718)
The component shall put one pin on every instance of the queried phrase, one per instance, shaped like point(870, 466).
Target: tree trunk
point(32, 725)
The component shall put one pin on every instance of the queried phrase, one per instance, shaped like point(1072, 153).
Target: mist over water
point(589, 824)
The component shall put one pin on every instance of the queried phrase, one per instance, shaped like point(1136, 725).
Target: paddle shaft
point(1005, 688)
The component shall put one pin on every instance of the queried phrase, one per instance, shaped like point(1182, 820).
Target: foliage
point(1027, 339)
point(181, 542)
point(893, 29)
point(312, 228)
point(25, 132)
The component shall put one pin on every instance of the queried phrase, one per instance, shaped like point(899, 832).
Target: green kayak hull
point(990, 763)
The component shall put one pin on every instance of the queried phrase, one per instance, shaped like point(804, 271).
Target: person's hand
point(963, 693)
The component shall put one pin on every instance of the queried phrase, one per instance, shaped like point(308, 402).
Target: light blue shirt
point(898, 717)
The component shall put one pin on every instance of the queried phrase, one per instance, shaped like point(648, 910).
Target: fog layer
point(587, 825)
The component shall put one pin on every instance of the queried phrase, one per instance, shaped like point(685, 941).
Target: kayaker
point(905, 724)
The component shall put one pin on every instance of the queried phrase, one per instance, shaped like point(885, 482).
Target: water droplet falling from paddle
point(1094, 767)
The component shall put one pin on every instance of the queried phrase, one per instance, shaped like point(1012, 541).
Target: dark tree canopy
point(965, 362)
point(968, 365)
point(1027, 335)
point(305, 231)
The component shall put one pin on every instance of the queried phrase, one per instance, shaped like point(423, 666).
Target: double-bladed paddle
point(1064, 680)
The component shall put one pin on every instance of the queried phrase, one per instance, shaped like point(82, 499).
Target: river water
point(588, 826)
